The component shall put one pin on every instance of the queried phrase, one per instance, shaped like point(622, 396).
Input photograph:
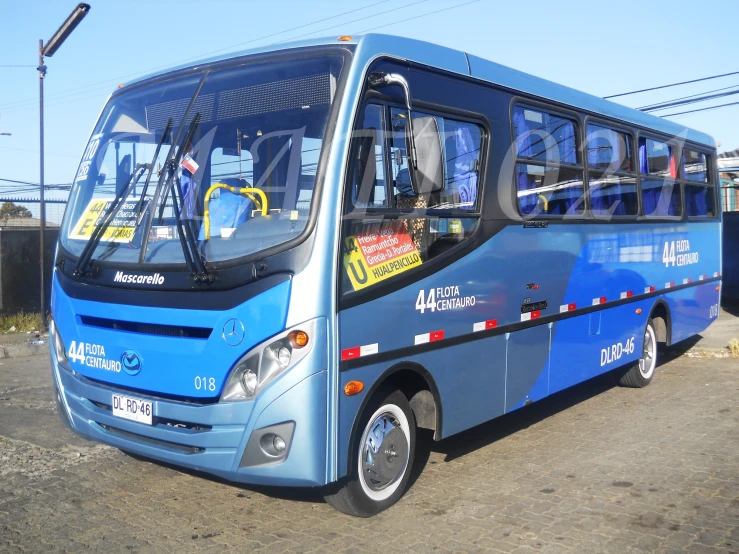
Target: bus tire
point(385, 445)
point(640, 374)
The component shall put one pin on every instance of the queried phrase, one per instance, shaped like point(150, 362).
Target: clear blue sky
point(599, 47)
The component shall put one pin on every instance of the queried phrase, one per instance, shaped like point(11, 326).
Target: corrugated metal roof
point(24, 223)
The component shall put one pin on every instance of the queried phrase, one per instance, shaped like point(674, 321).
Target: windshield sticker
point(121, 228)
point(92, 148)
point(379, 254)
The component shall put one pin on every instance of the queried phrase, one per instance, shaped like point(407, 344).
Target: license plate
point(132, 408)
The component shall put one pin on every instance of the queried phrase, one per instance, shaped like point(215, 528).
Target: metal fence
point(54, 211)
point(729, 195)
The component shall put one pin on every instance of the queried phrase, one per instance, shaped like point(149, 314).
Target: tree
point(9, 209)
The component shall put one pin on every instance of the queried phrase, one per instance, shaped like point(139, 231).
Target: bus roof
point(370, 46)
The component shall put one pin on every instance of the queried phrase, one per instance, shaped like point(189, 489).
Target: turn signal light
point(638, 310)
point(353, 387)
point(344, 38)
point(298, 339)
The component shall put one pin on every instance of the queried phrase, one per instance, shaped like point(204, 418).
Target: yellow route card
point(121, 229)
point(376, 255)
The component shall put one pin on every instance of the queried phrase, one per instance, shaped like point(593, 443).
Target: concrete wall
point(19, 269)
point(730, 273)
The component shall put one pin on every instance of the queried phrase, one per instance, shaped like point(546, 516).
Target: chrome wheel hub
point(384, 452)
point(648, 357)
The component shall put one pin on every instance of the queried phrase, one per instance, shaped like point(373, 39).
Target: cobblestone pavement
point(599, 469)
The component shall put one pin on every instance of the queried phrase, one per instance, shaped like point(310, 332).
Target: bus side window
point(611, 173)
point(659, 185)
point(376, 247)
point(699, 191)
point(548, 171)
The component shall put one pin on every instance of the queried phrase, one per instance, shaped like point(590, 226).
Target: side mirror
point(423, 138)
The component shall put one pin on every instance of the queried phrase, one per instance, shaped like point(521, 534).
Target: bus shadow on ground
point(492, 431)
point(458, 445)
point(244, 490)
point(731, 308)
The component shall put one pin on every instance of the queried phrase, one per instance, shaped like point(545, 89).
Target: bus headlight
point(249, 381)
point(58, 345)
point(263, 363)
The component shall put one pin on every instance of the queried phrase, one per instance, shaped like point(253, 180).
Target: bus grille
point(147, 328)
point(155, 442)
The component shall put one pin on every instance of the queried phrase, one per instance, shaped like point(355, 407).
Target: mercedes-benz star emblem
point(233, 332)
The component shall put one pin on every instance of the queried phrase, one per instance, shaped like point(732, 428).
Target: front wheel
point(641, 373)
point(384, 457)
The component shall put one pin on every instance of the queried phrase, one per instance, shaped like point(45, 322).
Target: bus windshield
point(227, 157)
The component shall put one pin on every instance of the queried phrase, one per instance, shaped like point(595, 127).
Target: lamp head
point(66, 29)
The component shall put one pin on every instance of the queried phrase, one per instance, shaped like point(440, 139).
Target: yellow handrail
point(248, 192)
point(544, 201)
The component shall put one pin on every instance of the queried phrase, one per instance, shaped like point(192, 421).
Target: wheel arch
point(412, 379)
point(662, 318)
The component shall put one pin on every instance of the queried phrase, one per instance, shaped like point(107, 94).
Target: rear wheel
point(641, 373)
point(384, 457)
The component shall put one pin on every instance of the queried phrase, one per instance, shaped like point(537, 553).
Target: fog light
point(274, 445)
point(249, 381)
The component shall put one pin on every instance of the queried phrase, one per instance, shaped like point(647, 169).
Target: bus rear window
point(656, 158)
point(694, 166)
point(699, 201)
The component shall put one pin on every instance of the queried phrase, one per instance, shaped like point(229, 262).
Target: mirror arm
point(377, 80)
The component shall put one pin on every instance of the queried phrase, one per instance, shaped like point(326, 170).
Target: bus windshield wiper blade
point(140, 207)
point(175, 164)
point(187, 240)
point(98, 232)
point(169, 164)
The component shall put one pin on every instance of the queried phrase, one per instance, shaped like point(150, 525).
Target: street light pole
point(42, 205)
point(77, 15)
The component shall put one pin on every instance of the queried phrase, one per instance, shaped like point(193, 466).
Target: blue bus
point(276, 266)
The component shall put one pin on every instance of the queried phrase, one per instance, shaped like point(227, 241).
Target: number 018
point(205, 383)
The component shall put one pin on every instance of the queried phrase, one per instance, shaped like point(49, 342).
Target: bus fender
point(661, 319)
point(426, 401)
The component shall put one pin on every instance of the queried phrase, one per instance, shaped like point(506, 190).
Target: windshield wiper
point(140, 207)
point(187, 240)
point(98, 232)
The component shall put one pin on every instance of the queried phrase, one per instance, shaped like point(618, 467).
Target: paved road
point(602, 469)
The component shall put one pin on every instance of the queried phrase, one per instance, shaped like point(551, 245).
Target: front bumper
point(213, 437)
